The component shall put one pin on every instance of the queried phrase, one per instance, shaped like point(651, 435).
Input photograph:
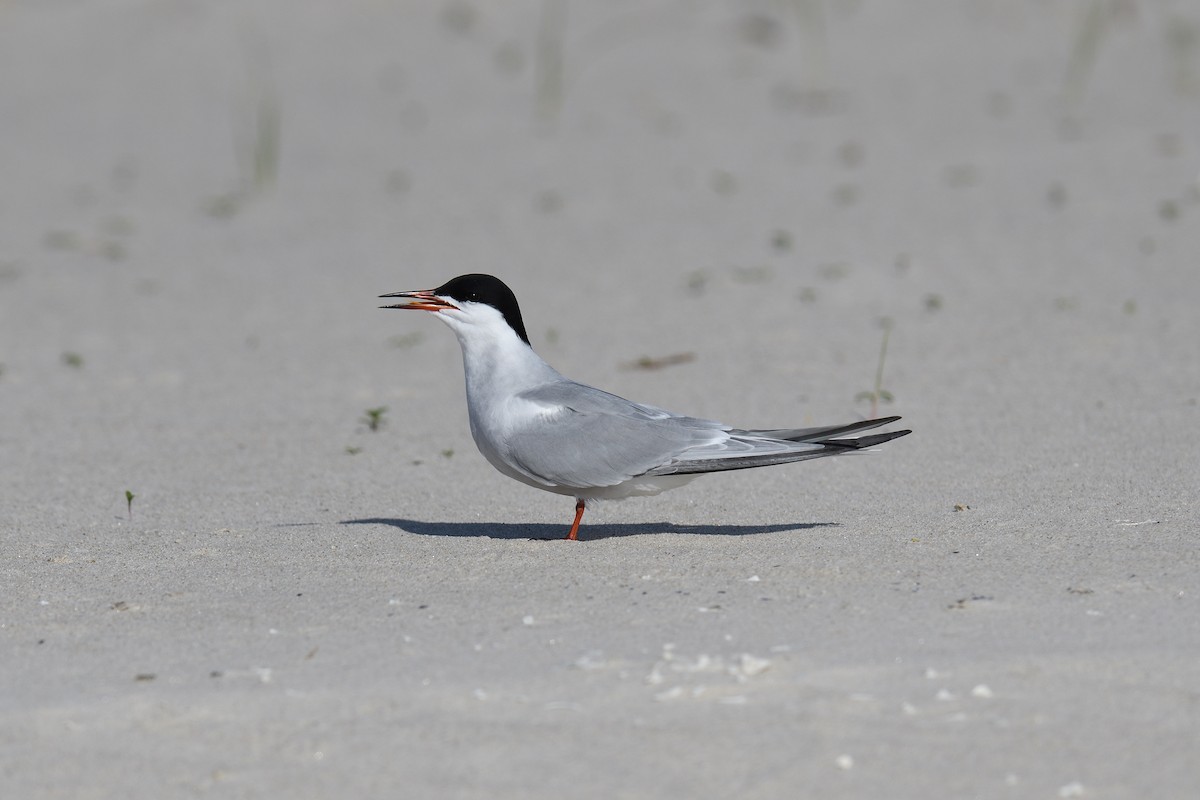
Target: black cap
point(479, 288)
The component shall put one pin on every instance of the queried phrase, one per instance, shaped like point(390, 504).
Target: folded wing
point(585, 437)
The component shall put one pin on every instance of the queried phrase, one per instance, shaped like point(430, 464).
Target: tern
point(543, 429)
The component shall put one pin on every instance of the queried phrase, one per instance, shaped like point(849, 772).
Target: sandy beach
point(249, 548)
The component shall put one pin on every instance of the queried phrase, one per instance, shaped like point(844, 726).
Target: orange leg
point(574, 534)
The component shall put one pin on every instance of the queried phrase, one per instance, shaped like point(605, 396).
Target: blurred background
point(712, 206)
point(978, 214)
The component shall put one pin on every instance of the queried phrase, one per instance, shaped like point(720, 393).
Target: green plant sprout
point(258, 153)
point(1182, 38)
point(267, 125)
point(548, 60)
point(1093, 29)
point(259, 128)
point(879, 393)
point(810, 14)
point(374, 418)
point(129, 502)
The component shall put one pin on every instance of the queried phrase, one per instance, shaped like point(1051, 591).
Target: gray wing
point(747, 449)
point(585, 437)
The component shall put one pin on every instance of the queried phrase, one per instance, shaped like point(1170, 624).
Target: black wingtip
point(863, 442)
point(824, 432)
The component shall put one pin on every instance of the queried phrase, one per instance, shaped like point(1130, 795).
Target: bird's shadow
point(546, 531)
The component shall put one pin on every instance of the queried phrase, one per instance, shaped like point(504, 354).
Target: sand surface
point(200, 201)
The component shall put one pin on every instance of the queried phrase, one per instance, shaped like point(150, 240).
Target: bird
point(545, 430)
